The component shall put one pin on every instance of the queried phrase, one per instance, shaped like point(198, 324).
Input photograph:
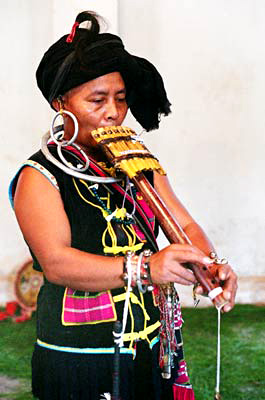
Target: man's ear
point(56, 104)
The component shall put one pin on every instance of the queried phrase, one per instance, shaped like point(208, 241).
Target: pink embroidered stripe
point(182, 373)
point(85, 309)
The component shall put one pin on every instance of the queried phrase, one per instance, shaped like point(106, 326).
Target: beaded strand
point(129, 221)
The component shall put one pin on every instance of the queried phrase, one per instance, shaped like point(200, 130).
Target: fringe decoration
point(166, 298)
point(183, 392)
point(183, 378)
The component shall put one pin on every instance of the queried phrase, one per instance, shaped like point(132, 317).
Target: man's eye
point(97, 100)
point(121, 99)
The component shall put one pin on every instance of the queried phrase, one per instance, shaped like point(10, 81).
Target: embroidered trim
point(84, 310)
point(38, 167)
point(98, 169)
point(143, 335)
point(134, 299)
point(109, 231)
point(44, 171)
point(122, 249)
point(154, 341)
point(86, 350)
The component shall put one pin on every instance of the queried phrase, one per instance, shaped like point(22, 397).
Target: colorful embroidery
point(143, 334)
point(109, 232)
point(38, 167)
point(149, 214)
point(149, 221)
point(43, 170)
point(85, 350)
point(84, 309)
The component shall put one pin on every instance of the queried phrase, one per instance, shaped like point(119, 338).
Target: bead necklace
point(128, 221)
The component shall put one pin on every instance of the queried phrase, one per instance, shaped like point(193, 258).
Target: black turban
point(86, 54)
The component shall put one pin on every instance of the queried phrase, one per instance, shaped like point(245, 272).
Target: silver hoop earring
point(64, 143)
point(53, 130)
point(67, 163)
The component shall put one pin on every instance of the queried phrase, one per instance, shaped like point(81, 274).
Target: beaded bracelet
point(129, 269)
point(138, 269)
point(145, 265)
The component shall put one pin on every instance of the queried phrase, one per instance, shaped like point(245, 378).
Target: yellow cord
point(115, 249)
point(119, 213)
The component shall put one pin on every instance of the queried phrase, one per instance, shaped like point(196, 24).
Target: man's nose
point(111, 110)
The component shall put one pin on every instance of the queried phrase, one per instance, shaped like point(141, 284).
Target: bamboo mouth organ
point(126, 151)
point(127, 154)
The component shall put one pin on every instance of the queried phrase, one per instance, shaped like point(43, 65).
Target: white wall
point(27, 29)
point(212, 58)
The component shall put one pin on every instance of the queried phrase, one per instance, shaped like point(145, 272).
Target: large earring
point(64, 143)
point(54, 130)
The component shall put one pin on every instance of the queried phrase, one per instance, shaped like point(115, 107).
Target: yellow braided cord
point(122, 249)
point(130, 239)
point(133, 233)
point(113, 237)
point(134, 299)
point(82, 197)
point(143, 335)
point(132, 336)
point(120, 213)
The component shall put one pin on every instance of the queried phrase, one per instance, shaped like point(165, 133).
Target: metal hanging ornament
point(65, 166)
point(71, 142)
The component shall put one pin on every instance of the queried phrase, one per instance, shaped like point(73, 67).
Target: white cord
point(119, 339)
point(125, 192)
point(218, 355)
point(129, 186)
point(134, 204)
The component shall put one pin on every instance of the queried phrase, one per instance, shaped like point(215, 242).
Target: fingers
point(229, 278)
point(166, 271)
point(182, 275)
point(199, 290)
point(167, 265)
point(185, 253)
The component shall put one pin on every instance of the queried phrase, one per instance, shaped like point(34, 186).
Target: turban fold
point(86, 54)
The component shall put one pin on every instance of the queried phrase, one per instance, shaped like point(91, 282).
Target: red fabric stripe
point(183, 393)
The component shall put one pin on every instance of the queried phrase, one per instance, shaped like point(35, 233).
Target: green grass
point(243, 353)
point(16, 344)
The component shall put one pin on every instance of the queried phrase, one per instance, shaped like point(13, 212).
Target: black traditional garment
point(73, 357)
point(92, 233)
point(87, 54)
